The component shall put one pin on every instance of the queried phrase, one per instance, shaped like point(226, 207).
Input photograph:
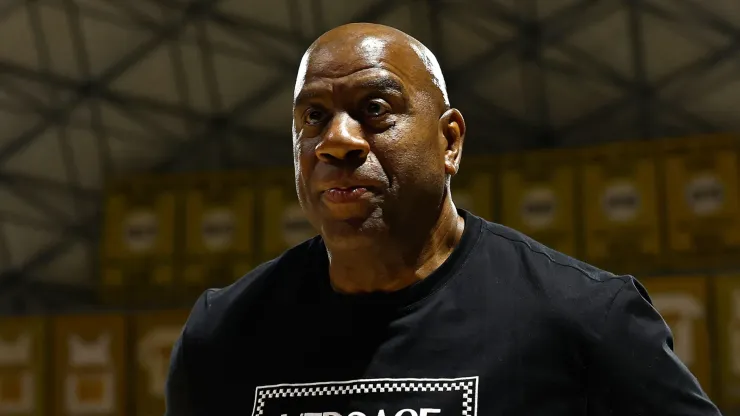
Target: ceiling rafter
point(693, 69)
point(90, 87)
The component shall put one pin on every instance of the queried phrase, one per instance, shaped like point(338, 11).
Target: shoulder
point(216, 308)
point(577, 290)
point(534, 259)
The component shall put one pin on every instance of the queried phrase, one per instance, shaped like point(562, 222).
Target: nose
point(343, 141)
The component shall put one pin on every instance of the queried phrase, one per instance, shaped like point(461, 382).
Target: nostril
point(330, 158)
point(354, 154)
point(347, 156)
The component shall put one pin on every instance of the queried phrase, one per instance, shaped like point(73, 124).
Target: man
point(406, 306)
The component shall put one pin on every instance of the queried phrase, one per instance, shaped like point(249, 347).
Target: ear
point(452, 129)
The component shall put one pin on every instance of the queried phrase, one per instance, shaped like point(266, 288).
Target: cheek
point(418, 160)
point(415, 143)
point(304, 154)
point(305, 146)
point(301, 187)
point(411, 166)
point(299, 147)
point(304, 162)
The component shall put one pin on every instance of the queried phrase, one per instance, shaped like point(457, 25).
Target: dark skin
point(375, 144)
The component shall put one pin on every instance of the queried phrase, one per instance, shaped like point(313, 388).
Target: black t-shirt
point(505, 326)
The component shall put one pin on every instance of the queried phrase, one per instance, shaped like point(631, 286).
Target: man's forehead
point(343, 56)
point(338, 59)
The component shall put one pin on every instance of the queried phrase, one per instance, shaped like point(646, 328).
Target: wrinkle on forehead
point(374, 44)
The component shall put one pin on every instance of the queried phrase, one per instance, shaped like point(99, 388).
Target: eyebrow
point(378, 83)
point(381, 83)
point(308, 94)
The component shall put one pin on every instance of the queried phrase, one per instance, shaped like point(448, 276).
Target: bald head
point(366, 45)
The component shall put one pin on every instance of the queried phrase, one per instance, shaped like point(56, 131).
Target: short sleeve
point(177, 397)
point(180, 398)
point(635, 361)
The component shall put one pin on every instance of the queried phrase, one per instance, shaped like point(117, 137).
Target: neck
point(399, 262)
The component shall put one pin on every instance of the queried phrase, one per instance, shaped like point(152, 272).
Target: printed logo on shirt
point(376, 397)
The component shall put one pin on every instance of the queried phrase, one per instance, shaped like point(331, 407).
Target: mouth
point(345, 195)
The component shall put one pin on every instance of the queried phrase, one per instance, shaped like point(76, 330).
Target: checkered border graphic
point(469, 387)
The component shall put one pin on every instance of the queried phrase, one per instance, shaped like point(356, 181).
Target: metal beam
point(22, 99)
point(244, 23)
point(127, 102)
point(317, 16)
point(9, 8)
point(688, 20)
point(642, 90)
point(6, 258)
point(224, 124)
point(47, 185)
point(500, 117)
point(31, 197)
point(731, 49)
point(533, 76)
point(137, 21)
point(17, 218)
point(554, 29)
point(66, 153)
point(86, 230)
point(82, 56)
point(710, 19)
point(548, 32)
point(436, 31)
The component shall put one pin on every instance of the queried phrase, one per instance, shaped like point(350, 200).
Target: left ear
point(452, 128)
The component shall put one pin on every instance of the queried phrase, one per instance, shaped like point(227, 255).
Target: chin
point(352, 234)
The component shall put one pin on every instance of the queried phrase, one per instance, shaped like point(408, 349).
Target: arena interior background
point(95, 90)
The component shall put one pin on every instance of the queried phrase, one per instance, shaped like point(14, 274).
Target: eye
point(376, 108)
point(314, 116)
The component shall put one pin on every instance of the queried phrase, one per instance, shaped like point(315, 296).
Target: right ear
point(452, 128)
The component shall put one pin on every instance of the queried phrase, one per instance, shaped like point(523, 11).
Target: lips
point(345, 195)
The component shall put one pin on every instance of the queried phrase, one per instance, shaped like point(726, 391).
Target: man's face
point(368, 150)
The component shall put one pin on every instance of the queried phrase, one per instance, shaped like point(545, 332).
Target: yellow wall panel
point(701, 178)
point(219, 214)
point(23, 366)
point(537, 196)
point(683, 303)
point(198, 276)
point(620, 202)
point(154, 335)
point(141, 283)
point(283, 224)
point(89, 365)
point(139, 219)
point(473, 187)
point(727, 302)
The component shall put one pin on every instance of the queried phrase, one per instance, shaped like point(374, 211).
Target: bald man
point(404, 305)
